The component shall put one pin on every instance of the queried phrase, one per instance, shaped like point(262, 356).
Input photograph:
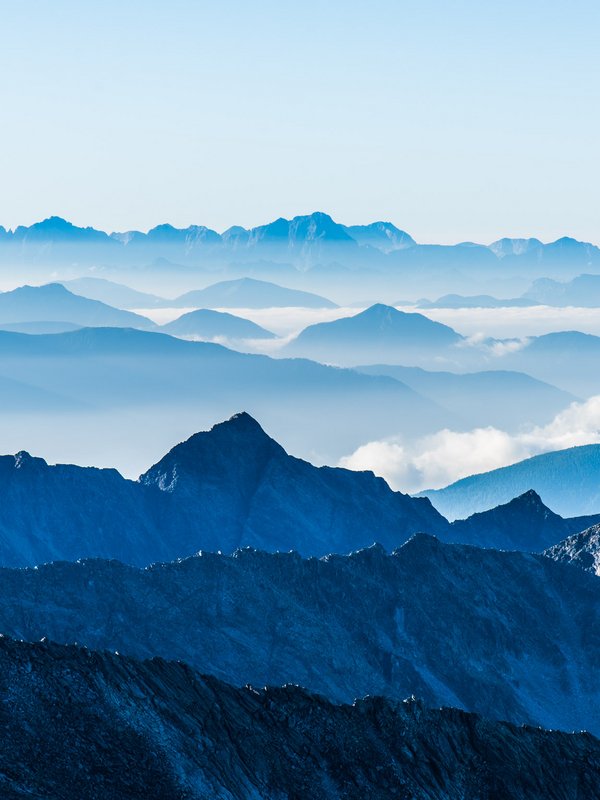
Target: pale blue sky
point(454, 120)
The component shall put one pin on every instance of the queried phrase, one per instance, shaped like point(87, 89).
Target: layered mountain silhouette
point(474, 301)
point(567, 359)
point(507, 635)
point(54, 303)
point(379, 332)
point(113, 726)
point(501, 398)
point(204, 323)
point(583, 291)
point(567, 480)
point(114, 294)
point(250, 293)
point(133, 379)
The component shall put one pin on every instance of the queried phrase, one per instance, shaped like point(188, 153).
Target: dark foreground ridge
point(114, 727)
point(507, 635)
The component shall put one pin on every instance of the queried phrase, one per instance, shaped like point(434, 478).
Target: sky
point(454, 120)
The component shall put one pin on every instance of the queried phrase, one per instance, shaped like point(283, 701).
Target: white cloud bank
point(443, 457)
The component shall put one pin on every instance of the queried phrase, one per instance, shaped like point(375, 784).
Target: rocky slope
point(582, 549)
point(114, 727)
point(508, 635)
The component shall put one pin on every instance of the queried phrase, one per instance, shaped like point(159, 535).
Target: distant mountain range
point(567, 480)
point(447, 623)
point(583, 291)
point(240, 293)
point(474, 301)
point(158, 729)
point(303, 242)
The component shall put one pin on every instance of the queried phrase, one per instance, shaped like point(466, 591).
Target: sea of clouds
point(441, 458)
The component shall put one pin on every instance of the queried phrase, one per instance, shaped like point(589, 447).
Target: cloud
point(443, 457)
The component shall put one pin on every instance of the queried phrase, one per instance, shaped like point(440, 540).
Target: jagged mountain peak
point(208, 451)
point(24, 460)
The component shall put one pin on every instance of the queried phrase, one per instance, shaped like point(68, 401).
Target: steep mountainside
point(251, 491)
point(117, 728)
point(567, 480)
point(508, 635)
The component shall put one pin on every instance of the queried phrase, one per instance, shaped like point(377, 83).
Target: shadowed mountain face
point(229, 487)
point(54, 303)
point(114, 727)
point(380, 332)
point(250, 293)
point(251, 491)
point(207, 324)
point(508, 635)
point(582, 549)
point(567, 480)
point(524, 523)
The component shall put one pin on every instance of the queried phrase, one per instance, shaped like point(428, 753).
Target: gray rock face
point(507, 635)
point(117, 728)
point(582, 549)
